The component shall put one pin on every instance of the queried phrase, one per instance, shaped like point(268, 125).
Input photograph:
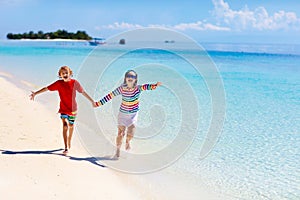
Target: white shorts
point(127, 120)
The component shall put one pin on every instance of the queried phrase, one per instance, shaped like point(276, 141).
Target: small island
point(59, 34)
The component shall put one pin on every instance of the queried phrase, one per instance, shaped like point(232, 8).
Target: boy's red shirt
point(67, 94)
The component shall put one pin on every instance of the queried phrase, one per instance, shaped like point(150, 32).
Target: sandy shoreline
point(31, 163)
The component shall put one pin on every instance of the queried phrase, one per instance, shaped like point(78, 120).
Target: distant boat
point(122, 41)
point(97, 41)
point(169, 41)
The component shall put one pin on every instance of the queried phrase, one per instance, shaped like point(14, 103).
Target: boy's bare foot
point(65, 151)
point(127, 147)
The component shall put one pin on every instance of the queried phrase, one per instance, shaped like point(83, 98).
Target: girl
point(129, 108)
point(67, 88)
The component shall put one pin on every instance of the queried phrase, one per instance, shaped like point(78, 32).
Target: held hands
point(96, 104)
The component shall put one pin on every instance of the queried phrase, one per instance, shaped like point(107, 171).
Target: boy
point(67, 88)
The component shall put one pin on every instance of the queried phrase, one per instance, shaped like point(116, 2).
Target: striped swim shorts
point(70, 118)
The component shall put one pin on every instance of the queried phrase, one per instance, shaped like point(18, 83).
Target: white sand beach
point(31, 163)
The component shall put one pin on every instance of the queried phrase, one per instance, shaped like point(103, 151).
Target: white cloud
point(258, 19)
point(199, 25)
point(120, 26)
point(158, 26)
point(227, 20)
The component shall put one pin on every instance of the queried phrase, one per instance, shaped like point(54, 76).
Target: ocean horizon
point(245, 47)
point(257, 154)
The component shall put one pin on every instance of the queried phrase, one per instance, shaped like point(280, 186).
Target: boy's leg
point(65, 131)
point(121, 133)
point(130, 133)
point(71, 120)
point(71, 128)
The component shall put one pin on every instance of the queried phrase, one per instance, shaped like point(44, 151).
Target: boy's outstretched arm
point(89, 98)
point(33, 94)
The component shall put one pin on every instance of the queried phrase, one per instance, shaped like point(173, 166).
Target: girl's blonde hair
point(63, 68)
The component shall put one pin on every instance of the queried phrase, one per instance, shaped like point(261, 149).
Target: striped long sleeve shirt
point(130, 98)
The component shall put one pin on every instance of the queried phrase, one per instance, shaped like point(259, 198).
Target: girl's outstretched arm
point(158, 83)
point(109, 96)
point(149, 86)
point(33, 94)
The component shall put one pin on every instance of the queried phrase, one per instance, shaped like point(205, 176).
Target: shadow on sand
point(93, 160)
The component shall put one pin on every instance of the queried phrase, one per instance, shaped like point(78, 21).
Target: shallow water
point(257, 155)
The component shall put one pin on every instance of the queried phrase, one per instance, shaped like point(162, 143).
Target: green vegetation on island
point(59, 34)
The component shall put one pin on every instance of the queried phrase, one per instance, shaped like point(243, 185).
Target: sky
point(238, 21)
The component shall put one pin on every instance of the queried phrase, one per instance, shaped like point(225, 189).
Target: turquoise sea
point(257, 155)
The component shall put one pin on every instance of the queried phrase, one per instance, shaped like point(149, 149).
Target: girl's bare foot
point(127, 147)
point(117, 155)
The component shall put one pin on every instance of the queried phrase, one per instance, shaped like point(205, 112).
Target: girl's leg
point(130, 133)
point(121, 133)
point(65, 133)
point(71, 128)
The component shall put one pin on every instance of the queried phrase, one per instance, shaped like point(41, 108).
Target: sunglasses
point(131, 76)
